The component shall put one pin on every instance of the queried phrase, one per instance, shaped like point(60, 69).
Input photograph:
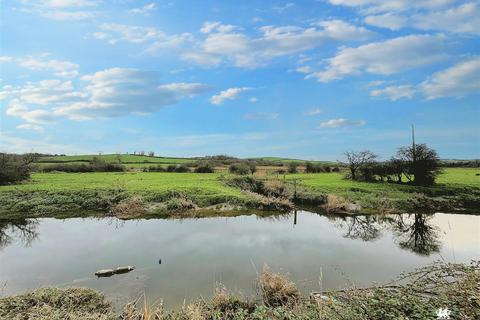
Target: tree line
point(417, 164)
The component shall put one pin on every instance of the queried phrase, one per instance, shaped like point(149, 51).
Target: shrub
point(315, 168)
point(241, 168)
point(205, 168)
point(95, 165)
point(292, 167)
point(178, 168)
point(157, 168)
point(15, 168)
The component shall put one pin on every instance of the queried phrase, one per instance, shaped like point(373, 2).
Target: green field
point(58, 191)
point(123, 158)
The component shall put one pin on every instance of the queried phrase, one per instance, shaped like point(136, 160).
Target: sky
point(304, 79)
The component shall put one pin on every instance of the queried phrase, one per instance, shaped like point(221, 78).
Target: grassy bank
point(163, 193)
point(416, 295)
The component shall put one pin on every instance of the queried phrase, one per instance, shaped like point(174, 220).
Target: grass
point(452, 182)
point(124, 158)
point(47, 193)
point(416, 295)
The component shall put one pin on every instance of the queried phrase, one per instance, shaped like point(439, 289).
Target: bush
point(178, 168)
point(241, 168)
point(95, 165)
point(315, 168)
point(15, 168)
point(292, 167)
point(205, 168)
point(157, 168)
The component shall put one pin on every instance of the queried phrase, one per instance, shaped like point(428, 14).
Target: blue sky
point(305, 79)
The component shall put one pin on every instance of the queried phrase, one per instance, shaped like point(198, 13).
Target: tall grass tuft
point(277, 290)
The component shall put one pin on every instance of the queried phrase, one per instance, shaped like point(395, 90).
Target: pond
point(179, 260)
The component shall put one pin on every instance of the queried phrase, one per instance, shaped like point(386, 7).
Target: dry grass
point(57, 304)
point(335, 203)
point(141, 309)
point(277, 290)
point(129, 208)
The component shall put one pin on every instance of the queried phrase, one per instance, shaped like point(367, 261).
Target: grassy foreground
point(420, 294)
point(161, 193)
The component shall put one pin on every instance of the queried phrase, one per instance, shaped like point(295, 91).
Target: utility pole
point(413, 142)
point(414, 154)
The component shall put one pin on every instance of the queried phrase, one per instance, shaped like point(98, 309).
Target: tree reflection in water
point(366, 228)
point(23, 229)
point(413, 232)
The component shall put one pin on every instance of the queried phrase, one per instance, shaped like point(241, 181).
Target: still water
point(179, 260)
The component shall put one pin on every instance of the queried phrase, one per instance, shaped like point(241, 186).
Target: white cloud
point(146, 9)
point(457, 81)
point(385, 58)
point(341, 30)
point(65, 3)
point(253, 100)
point(378, 6)
point(229, 94)
point(4, 59)
point(156, 39)
point(61, 10)
point(261, 116)
point(313, 112)
point(117, 92)
point(68, 15)
point(462, 19)
point(110, 93)
point(216, 26)
point(387, 20)
point(60, 68)
point(224, 43)
point(30, 126)
point(441, 15)
point(395, 92)
point(341, 122)
point(15, 144)
point(284, 7)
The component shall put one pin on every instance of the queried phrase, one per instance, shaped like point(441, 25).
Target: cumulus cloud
point(341, 122)
point(378, 6)
point(253, 100)
point(457, 81)
point(462, 19)
point(261, 116)
point(61, 10)
point(154, 38)
point(385, 58)
point(211, 26)
point(109, 93)
point(229, 94)
point(225, 43)
point(387, 20)
point(68, 15)
point(395, 92)
point(60, 68)
point(146, 9)
point(441, 15)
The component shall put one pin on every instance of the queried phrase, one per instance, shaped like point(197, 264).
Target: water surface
point(196, 254)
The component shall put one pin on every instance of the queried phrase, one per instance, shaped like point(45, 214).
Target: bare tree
point(422, 163)
point(358, 160)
